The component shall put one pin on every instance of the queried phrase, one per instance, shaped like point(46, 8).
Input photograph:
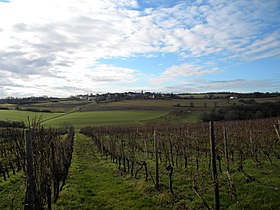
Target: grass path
point(60, 115)
point(93, 184)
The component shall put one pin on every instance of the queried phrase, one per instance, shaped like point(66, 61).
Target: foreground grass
point(93, 184)
point(12, 191)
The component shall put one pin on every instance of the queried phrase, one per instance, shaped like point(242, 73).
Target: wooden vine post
point(156, 155)
point(146, 149)
point(226, 148)
point(170, 170)
point(214, 167)
point(30, 181)
point(277, 128)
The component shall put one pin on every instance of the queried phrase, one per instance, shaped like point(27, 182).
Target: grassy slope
point(100, 118)
point(7, 105)
point(82, 119)
point(92, 184)
point(14, 115)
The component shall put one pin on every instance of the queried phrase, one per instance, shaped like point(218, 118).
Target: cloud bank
point(55, 47)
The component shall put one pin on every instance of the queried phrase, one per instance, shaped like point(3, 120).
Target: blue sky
point(70, 47)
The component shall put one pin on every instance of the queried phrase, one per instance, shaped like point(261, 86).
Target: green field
point(14, 115)
point(7, 105)
point(82, 119)
point(101, 118)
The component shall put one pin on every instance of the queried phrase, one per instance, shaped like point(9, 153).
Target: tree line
point(249, 111)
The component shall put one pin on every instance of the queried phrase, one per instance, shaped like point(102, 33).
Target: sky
point(70, 47)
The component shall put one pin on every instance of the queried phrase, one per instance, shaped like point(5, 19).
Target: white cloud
point(60, 40)
point(238, 85)
point(182, 71)
point(96, 79)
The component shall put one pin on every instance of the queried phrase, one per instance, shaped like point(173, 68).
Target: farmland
point(113, 176)
point(102, 118)
point(14, 115)
point(81, 119)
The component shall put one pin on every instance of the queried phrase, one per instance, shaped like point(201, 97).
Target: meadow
point(82, 119)
point(104, 118)
point(15, 115)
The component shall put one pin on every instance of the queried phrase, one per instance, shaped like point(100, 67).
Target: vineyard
point(44, 156)
point(205, 161)
point(220, 165)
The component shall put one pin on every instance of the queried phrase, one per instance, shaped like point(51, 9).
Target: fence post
point(30, 181)
point(214, 167)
